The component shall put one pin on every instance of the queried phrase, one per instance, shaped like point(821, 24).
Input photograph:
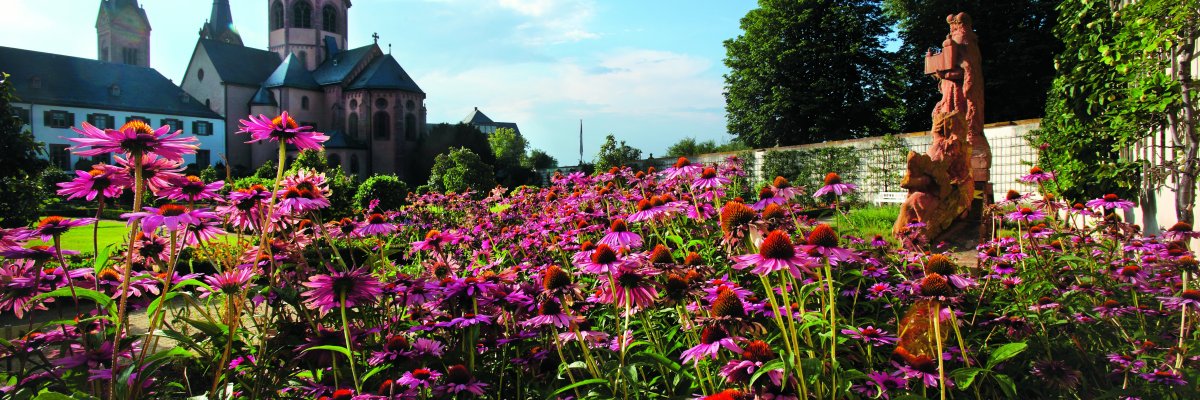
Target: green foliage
point(244, 183)
point(388, 189)
point(807, 168)
point(538, 159)
point(888, 163)
point(440, 140)
point(690, 147)
point(508, 147)
point(614, 154)
point(212, 174)
point(267, 170)
point(344, 188)
point(801, 67)
point(461, 170)
point(312, 160)
point(1015, 38)
point(21, 167)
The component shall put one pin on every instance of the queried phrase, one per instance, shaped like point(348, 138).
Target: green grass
point(80, 239)
point(870, 221)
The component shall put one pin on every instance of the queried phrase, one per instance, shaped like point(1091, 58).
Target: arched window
point(303, 102)
point(277, 15)
point(352, 125)
point(329, 19)
point(380, 125)
point(304, 59)
point(354, 164)
point(410, 127)
point(353, 104)
point(302, 14)
point(335, 160)
point(381, 103)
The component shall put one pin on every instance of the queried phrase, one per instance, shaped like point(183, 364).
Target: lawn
point(80, 239)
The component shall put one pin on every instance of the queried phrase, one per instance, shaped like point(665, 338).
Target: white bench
point(890, 197)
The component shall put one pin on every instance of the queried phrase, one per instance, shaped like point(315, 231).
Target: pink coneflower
point(767, 196)
point(1026, 215)
point(102, 180)
point(879, 384)
point(18, 287)
point(823, 242)
point(784, 189)
point(833, 184)
point(435, 239)
point(191, 188)
point(151, 247)
point(460, 380)
point(756, 354)
point(1187, 298)
point(14, 237)
point(633, 288)
point(356, 287)
point(282, 128)
point(712, 339)
point(619, 236)
point(603, 260)
point(650, 209)
point(1165, 376)
point(1111, 309)
point(1110, 201)
point(420, 377)
point(172, 216)
point(550, 312)
point(204, 232)
point(683, 168)
point(467, 320)
point(775, 253)
point(158, 172)
point(870, 335)
point(231, 282)
point(35, 253)
point(135, 139)
point(297, 201)
point(1037, 175)
point(52, 226)
point(879, 290)
point(377, 224)
point(709, 180)
point(1014, 197)
point(1181, 231)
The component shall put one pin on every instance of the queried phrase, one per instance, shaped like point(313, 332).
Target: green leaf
point(99, 298)
point(1006, 385)
point(659, 359)
point(153, 307)
point(576, 385)
point(339, 349)
point(101, 259)
point(964, 377)
point(769, 366)
point(1005, 352)
point(217, 330)
point(52, 396)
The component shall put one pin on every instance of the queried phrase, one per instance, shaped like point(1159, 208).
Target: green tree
point(614, 154)
point(388, 189)
point(312, 160)
point(690, 147)
point(1119, 80)
point(461, 170)
point(21, 167)
point(441, 139)
point(1017, 42)
point(538, 159)
point(267, 170)
point(509, 147)
point(800, 67)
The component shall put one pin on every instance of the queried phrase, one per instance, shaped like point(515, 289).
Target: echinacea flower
point(550, 312)
point(709, 180)
point(1165, 376)
point(52, 226)
point(419, 378)
point(158, 172)
point(460, 380)
point(282, 129)
point(1026, 215)
point(377, 224)
point(712, 339)
point(870, 335)
point(833, 184)
point(231, 282)
point(135, 139)
point(766, 196)
point(355, 287)
point(1037, 175)
point(784, 189)
point(880, 384)
point(102, 180)
point(775, 253)
point(1110, 201)
point(435, 239)
point(190, 188)
point(823, 241)
point(683, 168)
point(619, 236)
point(1186, 298)
point(603, 260)
point(172, 216)
point(297, 201)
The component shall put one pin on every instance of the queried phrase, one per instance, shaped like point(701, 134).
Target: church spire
point(123, 33)
point(220, 24)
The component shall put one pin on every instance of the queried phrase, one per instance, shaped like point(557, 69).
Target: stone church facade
point(361, 97)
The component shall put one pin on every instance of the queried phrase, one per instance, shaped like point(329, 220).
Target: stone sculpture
point(942, 183)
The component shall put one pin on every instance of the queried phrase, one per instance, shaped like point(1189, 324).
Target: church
point(372, 110)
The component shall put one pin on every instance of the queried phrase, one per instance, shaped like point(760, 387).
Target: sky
point(648, 72)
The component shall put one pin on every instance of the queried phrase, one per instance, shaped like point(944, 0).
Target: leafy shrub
point(388, 189)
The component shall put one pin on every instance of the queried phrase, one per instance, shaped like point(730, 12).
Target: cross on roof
point(376, 36)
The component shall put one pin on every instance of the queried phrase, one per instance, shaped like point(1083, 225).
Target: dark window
point(329, 19)
point(58, 119)
point(175, 124)
point(380, 103)
point(277, 15)
point(129, 56)
point(352, 125)
point(354, 163)
point(302, 14)
point(208, 103)
point(410, 105)
point(23, 114)
point(200, 74)
point(132, 118)
point(203, 159)
point(102, 121)
point(60, 157)
point(304, 102)
point(380, 125)
point(353, 104)
point(201, 128)
point(334, 160)
point(304, 59)
point(410, 127)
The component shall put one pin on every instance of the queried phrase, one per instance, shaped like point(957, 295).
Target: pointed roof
point(477, 117)
point(220, 24)
point(385, 73)
point(291, 73)
point(239, 64)
point(263, 97)
point(129, 7)
point(337, 67)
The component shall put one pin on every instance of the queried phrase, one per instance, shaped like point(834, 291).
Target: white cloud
point(549, 22)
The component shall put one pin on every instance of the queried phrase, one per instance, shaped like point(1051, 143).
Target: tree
point(538, 159)
point(267, 170)
point(612, 154)
point(388, 189)
point(21, 167)
point(1017, 42)
point(800, 67)
point(690, 147)
point(461, 170)
point(508, 147)
point(312, 160)
point(441, 139)
point(1120, 78)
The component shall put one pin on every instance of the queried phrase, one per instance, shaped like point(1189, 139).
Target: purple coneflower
point(435, 239)
point(355, 287)
point(282, 128)
point(52, 226)
point(1037, 175)
point(619, 236)
point(766, 196)
point(35, 253)
point(376, 224)
point(879, 384)
point(158, 172)
point(709, 180)
point(18, 287)
point(775, 253)
point(102, 180)
point(1026, 215)
point(712, 339)
point(135, 138)
point(467, 320)
point(550, 312)
point(833, 184)
point(1110, 201)
point(230, 282)
point(683, 168)
point(191, 188)
point(420, 377)
point(459, 380)
point(870, 335)
point(1165, 376)
point(172, 216)
point(633, 288)
point(784, 189)
point(753, 357)
point(1190, 297)
point(823, 241)
point(603, 260)
point(294, 200)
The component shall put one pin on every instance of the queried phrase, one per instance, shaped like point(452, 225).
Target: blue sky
point(649, 72)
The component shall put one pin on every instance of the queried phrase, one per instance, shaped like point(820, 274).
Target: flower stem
point(349, 349)
point(123, 303)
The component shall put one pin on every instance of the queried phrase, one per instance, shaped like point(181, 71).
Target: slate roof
point(477, 117)
point(263, 97)
point(82, 82)
point(239, 64)
point(385, 73)
point(291, 73)
point(337, 68)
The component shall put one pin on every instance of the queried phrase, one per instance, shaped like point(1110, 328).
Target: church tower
point(301, 27)
point(219, 26)
point(123, 33)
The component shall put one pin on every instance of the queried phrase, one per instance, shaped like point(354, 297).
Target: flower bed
point(619, 285)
